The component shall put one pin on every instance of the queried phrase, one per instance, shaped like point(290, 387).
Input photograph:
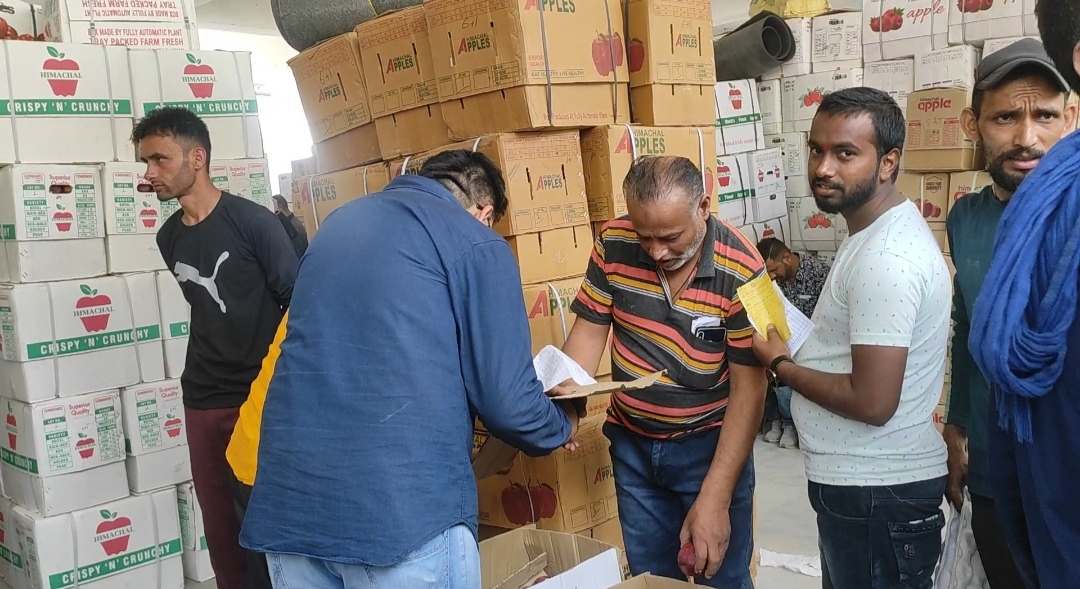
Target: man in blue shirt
point(406, 322)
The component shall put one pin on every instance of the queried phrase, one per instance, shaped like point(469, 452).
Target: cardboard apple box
point(953, 67)
point(142, 289)
point(153, 417)
point(963, 183)
point(733, 189)
point(11, 552)
point(929, 192)
point(547, 560)
point(738, 117)
point(81, 93)
point(196, 556)
point(794, 148)
point(60, 455)
point(22, 19)
point(670, 42)
point(767, 184)
point(779, 228)
point(216, 85)
point(896, 77)
point(803, 94)
point(51, 221)
point(812, 230)
point(894, 29)
point(770, 93)
point(330, 191)
point(157, 470)
point(249, 178)
point(935, 142)
point(609, 151)
point(67, 338)
point(136, 35)
point(800, 64)
point(994, 45)
point(175, 318)
point(973, 23)
point(133, 216)
point(837, 38)
point(133, 542)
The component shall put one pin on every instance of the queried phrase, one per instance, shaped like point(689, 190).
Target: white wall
point(725, 11)
point(284, 128)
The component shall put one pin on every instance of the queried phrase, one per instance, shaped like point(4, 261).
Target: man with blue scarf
point(1018, 112)
point(1025, 339)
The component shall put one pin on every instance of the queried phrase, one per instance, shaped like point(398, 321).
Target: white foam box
point(738, 117)
point(800, 64)
point(247, 178)
point(136, 35)
point(133, 215)
point(216, 85)
point(175, 319)
point(133, 543)
point(142, 288)
point(811, 230)
point(157, 470)
point(953, 67)
point(994, 45)
point(196, 556)
point(733, 189)
point(11, 553)
point(837, 37)
point(769, 94)
point(777, 228)
point(154, 418)
point(767, 184)
point(803, 94)
point(1013, 18)
point(895, 77)
point(795, 151)
point(924, 27)
point(52, 223)
point(62, 339)
point(71, 103)
point(63, 455)
point(160, 24)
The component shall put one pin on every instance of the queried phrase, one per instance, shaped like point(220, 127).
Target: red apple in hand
point(688, 560)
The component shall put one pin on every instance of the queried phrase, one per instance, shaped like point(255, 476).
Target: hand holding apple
point(708, 528)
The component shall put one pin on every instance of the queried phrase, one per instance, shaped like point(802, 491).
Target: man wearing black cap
point(1018, 112)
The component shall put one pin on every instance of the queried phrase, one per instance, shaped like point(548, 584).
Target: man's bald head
point(653, 178)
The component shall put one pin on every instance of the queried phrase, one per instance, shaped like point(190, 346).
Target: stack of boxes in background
point(162, 24)
point(93, 326)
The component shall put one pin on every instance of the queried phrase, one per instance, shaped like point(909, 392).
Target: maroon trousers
point(209, 432)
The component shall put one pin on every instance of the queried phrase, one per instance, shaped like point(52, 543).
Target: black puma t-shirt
point(236, 269)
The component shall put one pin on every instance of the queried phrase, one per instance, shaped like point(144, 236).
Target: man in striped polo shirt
point(665, 277)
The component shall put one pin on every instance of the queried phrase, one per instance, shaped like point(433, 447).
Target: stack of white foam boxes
point(93, 327)
point(749, 173)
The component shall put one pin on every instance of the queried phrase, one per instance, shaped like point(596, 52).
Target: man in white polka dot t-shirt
point(868, 378)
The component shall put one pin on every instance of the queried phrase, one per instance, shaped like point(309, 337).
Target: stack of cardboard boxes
point(94, 327)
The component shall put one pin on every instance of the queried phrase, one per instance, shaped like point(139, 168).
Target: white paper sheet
point(800, 324)
point(553, 367)
point(796, 563)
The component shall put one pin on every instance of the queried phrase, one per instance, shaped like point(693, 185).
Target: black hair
point(652, 177)
point(1059, 27)
point(173, 121)
point(772, 248)
point(281, 202)
point(471, 176)
point(890, 128)
point(1025, 71)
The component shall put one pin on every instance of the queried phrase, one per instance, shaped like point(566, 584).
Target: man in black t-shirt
point(293, 227)
point(236, 268)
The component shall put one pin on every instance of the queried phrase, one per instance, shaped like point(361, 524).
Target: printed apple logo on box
point(93, 309)
point(607, 53)
point(199, 77)
point(62, 74)
point(114, 533)
point(528, 504)
point(12, 427)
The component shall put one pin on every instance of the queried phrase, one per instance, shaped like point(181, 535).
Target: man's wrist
point(714, 493)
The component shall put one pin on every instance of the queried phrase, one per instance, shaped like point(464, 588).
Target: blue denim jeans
point(783, 402)
point(656, 482)
point(450, 561)
point(885, 537)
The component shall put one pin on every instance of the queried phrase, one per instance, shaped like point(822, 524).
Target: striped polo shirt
point(624, 288)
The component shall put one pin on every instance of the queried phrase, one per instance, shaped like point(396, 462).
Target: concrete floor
point(785, 520)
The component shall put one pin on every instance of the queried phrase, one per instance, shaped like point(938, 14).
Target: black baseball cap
point(1024, 52)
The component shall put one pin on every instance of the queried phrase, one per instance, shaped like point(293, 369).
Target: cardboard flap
point(527, 575)
point(572, 562)
point(612, 387)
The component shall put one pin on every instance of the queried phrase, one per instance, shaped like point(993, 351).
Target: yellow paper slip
point(763, 304)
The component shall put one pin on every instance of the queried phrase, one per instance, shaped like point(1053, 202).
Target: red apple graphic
point(761, 175)
point(518, 505)
point(601, 55)
point(723, 176)
point(63, 219)
point(3, 529)
point(875, 24)
point(202, 81)
point(63, 84)
point(93, 323)
point(544, 499)
point(173, 425)
point(3, 27)
point(768, 232)
point(735, 96)
point(812, 222)
point(617, 48)
point(12, 429)
point(636, 55)
point(807, 101)
point(825, 222)
point(148, 216)
point(710, 181)
point(116, 543)
point(85, 446)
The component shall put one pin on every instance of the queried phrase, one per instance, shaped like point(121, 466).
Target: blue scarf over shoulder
point(1028, 301)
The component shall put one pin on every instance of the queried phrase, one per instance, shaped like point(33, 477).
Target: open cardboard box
point(518, 559)
point(648, 581)
point(496, 455)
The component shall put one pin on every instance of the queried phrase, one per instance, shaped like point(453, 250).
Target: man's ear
point(198, 158)
point(705, 206)
point(970, 123)
point(889, 164)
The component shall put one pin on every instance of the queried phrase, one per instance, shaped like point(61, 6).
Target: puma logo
point(186, 273)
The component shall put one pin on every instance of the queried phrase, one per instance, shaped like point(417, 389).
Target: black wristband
point(778, 361)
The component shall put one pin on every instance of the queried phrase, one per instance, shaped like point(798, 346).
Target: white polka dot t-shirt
point(889, 286)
